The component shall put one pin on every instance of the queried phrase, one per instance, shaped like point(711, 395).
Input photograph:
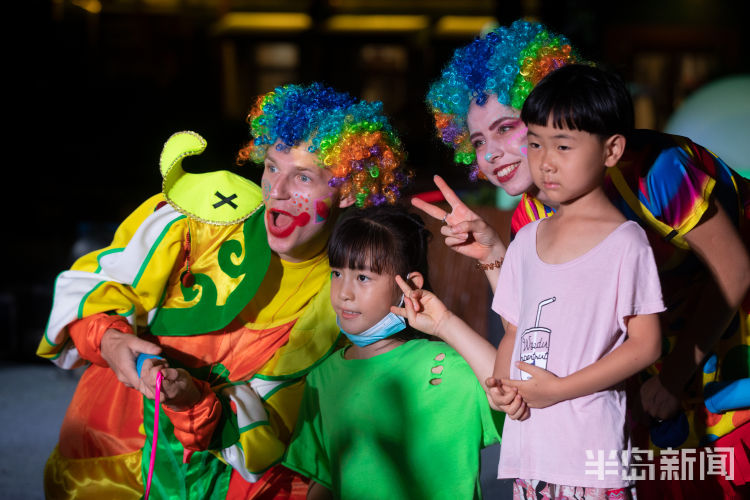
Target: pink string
point(159, 376)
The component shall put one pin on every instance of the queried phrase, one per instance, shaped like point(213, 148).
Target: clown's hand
point(422, 309)
point(120, 351)
point(465, 232)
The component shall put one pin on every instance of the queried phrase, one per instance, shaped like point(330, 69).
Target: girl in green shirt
point(393, 415)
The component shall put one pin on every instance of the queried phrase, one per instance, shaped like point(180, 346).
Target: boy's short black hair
point(581, 97)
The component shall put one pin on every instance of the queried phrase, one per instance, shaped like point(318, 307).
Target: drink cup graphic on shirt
point(535, 342)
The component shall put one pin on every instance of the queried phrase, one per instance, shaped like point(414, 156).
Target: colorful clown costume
point(665, 183)
point(190, 270)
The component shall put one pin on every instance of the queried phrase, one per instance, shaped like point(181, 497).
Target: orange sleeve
point(87, 334)
point(195, 427)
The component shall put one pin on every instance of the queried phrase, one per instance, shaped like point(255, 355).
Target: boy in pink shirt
point(579, 296)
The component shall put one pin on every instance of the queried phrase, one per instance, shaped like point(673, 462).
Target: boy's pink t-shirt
point(569, 316)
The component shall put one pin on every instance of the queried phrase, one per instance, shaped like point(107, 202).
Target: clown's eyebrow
point(305, 167)
point(495, 124)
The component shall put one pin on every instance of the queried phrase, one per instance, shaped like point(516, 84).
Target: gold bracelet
point(491, 265)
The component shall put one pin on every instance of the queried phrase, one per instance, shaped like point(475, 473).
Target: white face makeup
point(299, 202)
point(499, 138)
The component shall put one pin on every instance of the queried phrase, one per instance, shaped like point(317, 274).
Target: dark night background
point(97, 87)
point(93, 88)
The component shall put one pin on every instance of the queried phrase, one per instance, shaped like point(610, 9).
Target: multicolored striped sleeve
point(266, 414)
point(667, 182)
point(528, 210)
point(678, 185)
point(266, 407)
point(127, 278)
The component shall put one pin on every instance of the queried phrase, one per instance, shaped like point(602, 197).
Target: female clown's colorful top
point(666, 183)
point(507, 63)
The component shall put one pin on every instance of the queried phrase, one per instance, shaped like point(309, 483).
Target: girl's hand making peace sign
point(422, 309)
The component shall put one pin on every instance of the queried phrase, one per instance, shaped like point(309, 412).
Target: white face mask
point(389, 325)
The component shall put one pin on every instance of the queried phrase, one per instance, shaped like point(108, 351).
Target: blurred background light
point(717, 116)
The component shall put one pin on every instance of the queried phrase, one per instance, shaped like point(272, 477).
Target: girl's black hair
point(581, 97)
point(385, 240)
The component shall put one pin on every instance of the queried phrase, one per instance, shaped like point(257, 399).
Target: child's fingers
point(513, 384)
point(493, 383)
point(404, 286)
point(508, 388)
point(411, 312)
point(523, 409)
point(515, 408)
point(530, 369)
point(405, 312)
point(525, 415)
point(412, 296)
point(415, 300)
point(502, 398)
point(400, 311)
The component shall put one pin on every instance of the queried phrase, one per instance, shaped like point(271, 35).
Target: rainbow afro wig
point(351, 138)
point(507, 62)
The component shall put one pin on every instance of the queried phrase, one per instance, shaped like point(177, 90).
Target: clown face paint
point(322, 210)
point(298, 203)
point(499, 137)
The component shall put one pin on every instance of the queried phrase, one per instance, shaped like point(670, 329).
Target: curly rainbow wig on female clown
point(508, 62)
point(353, 139)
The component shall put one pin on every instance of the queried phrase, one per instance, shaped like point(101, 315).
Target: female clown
point(690, 203)
point(228, 282)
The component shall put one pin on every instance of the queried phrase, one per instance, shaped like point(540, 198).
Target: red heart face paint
point(322, 210)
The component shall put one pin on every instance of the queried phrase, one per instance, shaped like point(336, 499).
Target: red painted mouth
point(505, 173)
point(281, 224)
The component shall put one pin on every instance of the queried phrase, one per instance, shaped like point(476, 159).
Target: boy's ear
point(415, 279)
point(614, 147)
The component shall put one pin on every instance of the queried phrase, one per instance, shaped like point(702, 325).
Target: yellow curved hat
point(220, 197)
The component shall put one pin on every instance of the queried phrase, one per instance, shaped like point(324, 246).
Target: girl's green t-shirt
point(408, 423)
